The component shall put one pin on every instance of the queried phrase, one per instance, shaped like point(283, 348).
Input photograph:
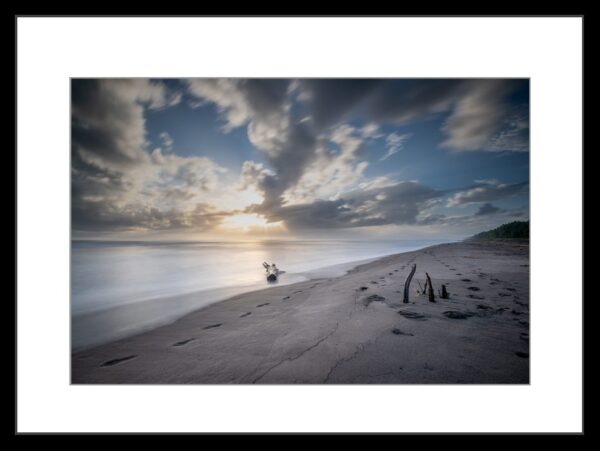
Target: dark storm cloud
point(487, 209)
point(105, 216)
point(265, 96)
point(103, 127)
point(401, 101)
point(398, 204)
point(290, 162)
point(478, 112)
point(108, 118)
point(330, 99)
point(241, 100)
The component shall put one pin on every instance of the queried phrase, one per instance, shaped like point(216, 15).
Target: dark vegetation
point(512, 230)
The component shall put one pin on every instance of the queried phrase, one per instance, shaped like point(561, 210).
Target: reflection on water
point(120, 288)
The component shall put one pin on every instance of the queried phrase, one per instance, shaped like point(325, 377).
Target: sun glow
point(250, 222)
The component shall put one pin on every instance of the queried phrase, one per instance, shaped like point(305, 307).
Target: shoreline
point(337, 319)
point(86, 321)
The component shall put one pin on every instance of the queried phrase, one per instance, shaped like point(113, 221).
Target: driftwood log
point(272, 271)
point(407, 283)
point(444, 292)
point(429, 288)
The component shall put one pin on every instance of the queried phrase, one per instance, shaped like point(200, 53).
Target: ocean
point(122, 288)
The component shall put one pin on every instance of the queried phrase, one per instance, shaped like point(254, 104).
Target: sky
point(219, 159)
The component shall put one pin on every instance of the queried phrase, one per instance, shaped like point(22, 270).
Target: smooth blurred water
point(120, 288)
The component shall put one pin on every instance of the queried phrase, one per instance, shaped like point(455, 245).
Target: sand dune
point(350, 329)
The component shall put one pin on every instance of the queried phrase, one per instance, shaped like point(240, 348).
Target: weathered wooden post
point(444, 292)
point(407, 283)
point(430, 291)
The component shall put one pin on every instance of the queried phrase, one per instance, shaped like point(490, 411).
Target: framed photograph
point(276, 222)
point(186, 192)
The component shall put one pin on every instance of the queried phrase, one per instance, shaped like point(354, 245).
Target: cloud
point(313, 174)
point(403, 101)
point(371, 130)
point(116, 182)
point(263, 105)
point(400, 203)
point(297, 148)
point(253, 174)
point(514, 133)
point(329, 100)
point(331, 172)
point(394, 143)
point(167, 141)
point(487, 209)
point(477, 115)
point(163, 193)
point(485, 218)
point(487, 191)
point(241, 100)
point(108, 126)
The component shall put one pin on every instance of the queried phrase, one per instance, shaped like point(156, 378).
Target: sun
point(248, 222)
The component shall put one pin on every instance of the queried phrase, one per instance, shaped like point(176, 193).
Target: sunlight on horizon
point(251, 222)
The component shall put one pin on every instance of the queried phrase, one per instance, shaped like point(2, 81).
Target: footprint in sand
point(523, 355)
point(475, 296)
point(524, 336)
point(373, 282)
point(483, 307)
point(373, 298)
point(412, 315)
point(119, 360)
point(245, 314)
point(212, 326)
point(397, 331)
point(473, 289)
point(262, 305)
point(457, 315)
point(465, 280)
point(363, 288)
point(183, 342)
point(283, 299)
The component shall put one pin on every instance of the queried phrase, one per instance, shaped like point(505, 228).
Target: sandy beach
point(352, 329)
